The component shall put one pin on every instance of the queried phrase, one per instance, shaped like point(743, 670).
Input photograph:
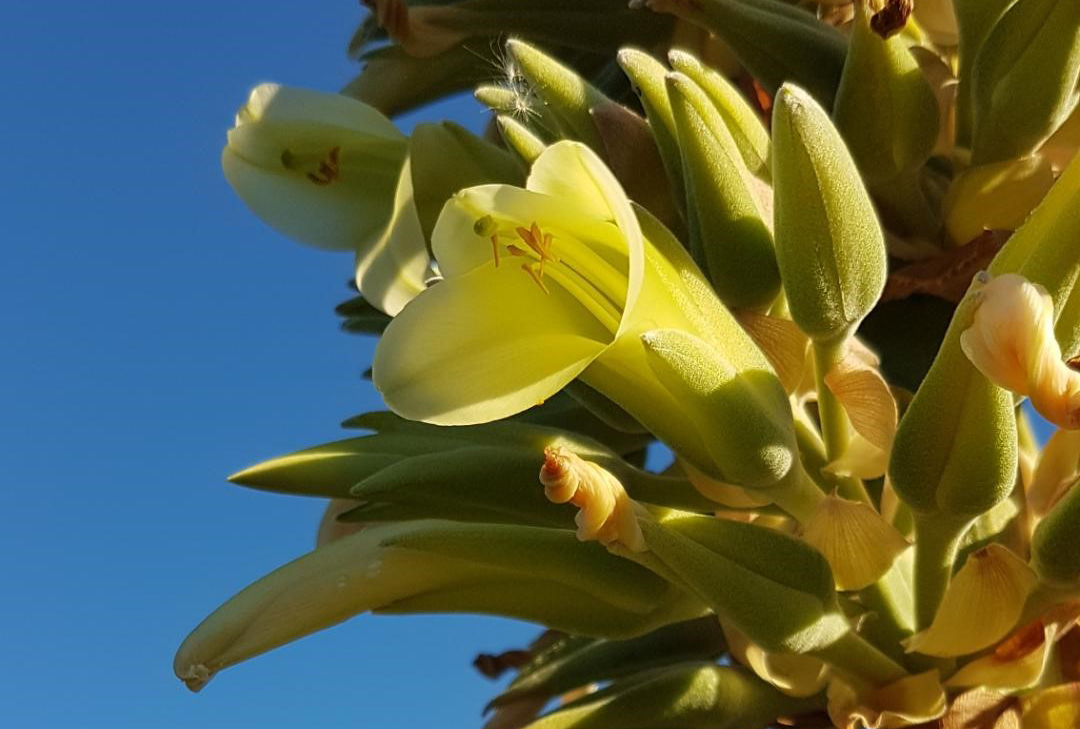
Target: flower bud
point(741, 119)
point(567, 96)
point(829, 244)
point(728, 229)
point(1021, 96)
point(517, 136)
point(885, 109)
point(1055, 550)
point(775, 41)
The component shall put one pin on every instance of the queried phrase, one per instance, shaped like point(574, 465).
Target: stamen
point(329, 168)
point(535, 277)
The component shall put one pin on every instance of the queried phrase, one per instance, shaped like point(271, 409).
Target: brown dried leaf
point(946, 276)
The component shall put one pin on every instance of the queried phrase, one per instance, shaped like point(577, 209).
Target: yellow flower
point(331, 172)
point(559, 280)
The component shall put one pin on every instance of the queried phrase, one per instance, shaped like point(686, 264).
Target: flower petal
point(483, 346)
point(993, 584)
point(858, 543)
point(286, 105)
point(332, 216)
point(910, 700)
point(390, 273)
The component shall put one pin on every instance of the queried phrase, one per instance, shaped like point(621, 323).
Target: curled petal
point(861, 389)
point(1011, 341)
point(993, 584)
point(1019, 661)
point(782, 342)
point(606, 513)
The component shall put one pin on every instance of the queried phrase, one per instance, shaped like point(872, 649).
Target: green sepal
point(785, 599)
point(829, 244)
point(778, 43)
point(360, 317)
point(606, 660)
point(447, 157)
point(742, 120)
point(728, 230)
point(745, 411)
point(686, 696)
point(1024, 81)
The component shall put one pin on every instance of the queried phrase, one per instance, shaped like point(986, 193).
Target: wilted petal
point(1011, 341)
point(993, 584)
point(791, 673)
point(1052, 708)
point(910, 700)
point(782, 342)
point(858, 543)
point(1020, 661)
point(606, 513)
point(1057, 470)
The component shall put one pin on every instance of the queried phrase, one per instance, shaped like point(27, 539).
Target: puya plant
point(824, 252)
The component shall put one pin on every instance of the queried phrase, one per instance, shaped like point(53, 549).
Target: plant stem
point(835, 426)
point(861, 663)
point(937, 539)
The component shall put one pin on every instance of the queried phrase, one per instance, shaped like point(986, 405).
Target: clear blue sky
point(155, 338)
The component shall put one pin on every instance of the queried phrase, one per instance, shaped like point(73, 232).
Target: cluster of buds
point(826, 253)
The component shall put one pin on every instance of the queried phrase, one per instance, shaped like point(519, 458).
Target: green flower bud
point(567, 96)
point(1044, 251)
point(775, 41)
point(544, 575)
point(728, 229)
point(829, 244)
point(1055, 549)
point(606, 660)
point(1024, 81)
point(689, 696)
point(745, 410)
point(741, 119)
point(974, 19)
point(647, 76)
point(885, 109)
point(517, 136)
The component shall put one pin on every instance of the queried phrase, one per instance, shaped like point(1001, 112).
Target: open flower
point(331, 172)
point(559, 280)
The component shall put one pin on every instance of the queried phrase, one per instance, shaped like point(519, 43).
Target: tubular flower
point(1011, 341)
point(605, 513)
point(555, 281)
point(331, 172)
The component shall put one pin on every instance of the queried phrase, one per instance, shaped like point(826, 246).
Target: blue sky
point(157, 337)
